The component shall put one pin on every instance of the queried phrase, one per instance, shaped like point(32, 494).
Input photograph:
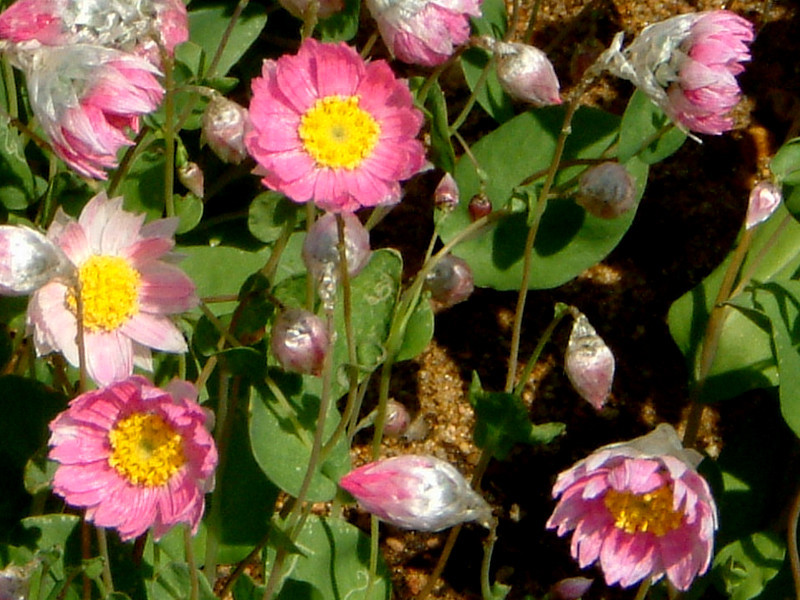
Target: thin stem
point(473, 97)
point(528, 38)
point(311, 290)
point(194, 584)
point(422, 95)
point(102, 544)
point(169, 135)
point(369, 44)
point(747, 274)
point(268, 270)
point(226, 36)
point(561, 312)
point(488, 548)
point(127, 161)
point(11, 88)
point(81, 339)
point(644, 587)
point(791, 539)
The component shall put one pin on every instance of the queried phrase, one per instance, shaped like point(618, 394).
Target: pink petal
point(155, 331)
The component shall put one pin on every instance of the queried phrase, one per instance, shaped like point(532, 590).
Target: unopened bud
point(446, 196)
point(191, 176)
point(15, 581)
point(571, 588)
point(589, 363)
point(606, 190)
point(397, 419)
point(479, 206)
point(416, 492)
point(28, 260)
point(525, 73)
point(321, 246)
point(224, 125)
point(450, 281)
point(300, 341)
point(764, 199)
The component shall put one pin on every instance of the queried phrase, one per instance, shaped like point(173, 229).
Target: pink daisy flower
point(135, 456)
point(330, 128)
point(127, 286)
point(641, 509)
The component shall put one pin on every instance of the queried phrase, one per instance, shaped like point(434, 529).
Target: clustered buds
point(764, 200)
point(28, 260)
point(606, 190)
point(450, 281)
point(589, 363)
point(300, 341)
point(416, 492)
point(224, 126)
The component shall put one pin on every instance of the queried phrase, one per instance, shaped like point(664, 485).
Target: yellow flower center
point(337, 133)
point(651, 512)
point(145, 449)
point(109, 290)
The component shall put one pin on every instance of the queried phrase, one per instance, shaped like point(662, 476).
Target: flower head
point(300, 341)
point(416, 492)
point(224, 126)
point(28, 260)
point(127, 291)
point(641, 509)
point(589, 363)
point(330, 128)
point(87, 99)
point(687, 65)
point(135, 456)
point(423, 32)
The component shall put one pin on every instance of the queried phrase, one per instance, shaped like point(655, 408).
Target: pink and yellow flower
point(641, 509)
point(128, 291)
point(135, 456)
point(330, 128)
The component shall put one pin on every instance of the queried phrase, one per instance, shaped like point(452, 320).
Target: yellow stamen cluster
point(651, 512)
point(337, 133)
point(109, 290)
point(145, 449)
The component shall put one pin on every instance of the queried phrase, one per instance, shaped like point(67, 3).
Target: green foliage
point(644, 122)
point(744, 567)
point(341, 26)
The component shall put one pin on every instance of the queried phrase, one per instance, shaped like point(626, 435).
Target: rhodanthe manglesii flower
point(688, 65)
point(135, 456)
point(128, 291)
point(330, 128)
point(641, 509)
point(88, 99)
point(424, 32)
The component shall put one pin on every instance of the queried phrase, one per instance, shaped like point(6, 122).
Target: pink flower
point(87, 99)
point(423, 32)
point(641, 509)
point(128, 291)
point(416, 492)
point(135, 456)
point(330, 128)
point(687, 65)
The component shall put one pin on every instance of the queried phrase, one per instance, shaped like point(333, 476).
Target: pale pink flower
point(688, 65)
point(424, 32)
point(641, 509)
point(88, 99)
point(135, 456)
point(765, 197)
point(416, 492)
point(128, 286)
point(330, 128)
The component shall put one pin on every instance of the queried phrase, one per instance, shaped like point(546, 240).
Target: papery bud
point(571, 588)
point(589, 363)
point(397, 419)
point(446, 195)
point(525, 73)
point(321, 246)
point(28, 260)
point(300, 341)
point(450, 281)
point(224, 125)
point(416, 492)
point(479, 206)
point(606, 190)
point(15, 581)
point(764, 199)
point(191, 176)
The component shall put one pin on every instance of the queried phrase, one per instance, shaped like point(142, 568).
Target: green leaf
point(172, 581)
point(17, 184)
point(143, 185)
point(268, 214)
point(744, 567)
point(341, 26)
point(419, 331)
point(491, 96)
point(189, 209)
point(336, 562)
point(786, 163)
point(441, 151)
point(39, 472)
point(641, 122)
point(493, 20)
point(207, 27)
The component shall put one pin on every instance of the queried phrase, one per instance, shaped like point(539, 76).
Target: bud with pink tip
point(300, 341)
point(224, 125)
point(321, 246)
point(764, 199)
point(446, 194)
point(416, 492)
point(28, 260)
point(450, 281)
point(191, 176)
point(524, 72)
point(589, 363)
point(397, 419)
point(606, 190)
point(571, 588)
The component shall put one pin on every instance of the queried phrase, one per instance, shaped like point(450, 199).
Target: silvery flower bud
point(15, 581)
point(28, 260)
point(397, 419)
point(321, 246)
point(224, 125)
point(764, 199)
point(450, 281)
point(191, 176)
point(571, 588)
point(416, 492)
point(479, 206)
point(446, 195)
point(300, 341)
point(589, 363)
point(525, 73)
point(606, 190)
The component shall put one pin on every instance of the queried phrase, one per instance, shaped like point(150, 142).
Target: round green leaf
point(268, 214)
point(641, 122)
point(189, 209)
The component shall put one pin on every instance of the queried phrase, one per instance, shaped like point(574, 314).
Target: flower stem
point(488, 548)
point(473, 97)
point(226, 36)
point(791, 539)
point(528, 38)
point(102, 544)
point(562, 310)
point(194, 584)
point(644, 587)
point(169, 135)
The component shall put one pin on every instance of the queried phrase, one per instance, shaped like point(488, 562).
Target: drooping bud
point(606, 190)
point(479, 206)
point(397, 419)
point(446, 195)
point(191, 176)
point(300, 341)
point(764, 199)
point(28, 260)
point(321, 246)
point(15, 581)
point(589, 363)
point(571, 588)
point(416, 492)
point(224, 125)
point(525, 73)
point(450, 281)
